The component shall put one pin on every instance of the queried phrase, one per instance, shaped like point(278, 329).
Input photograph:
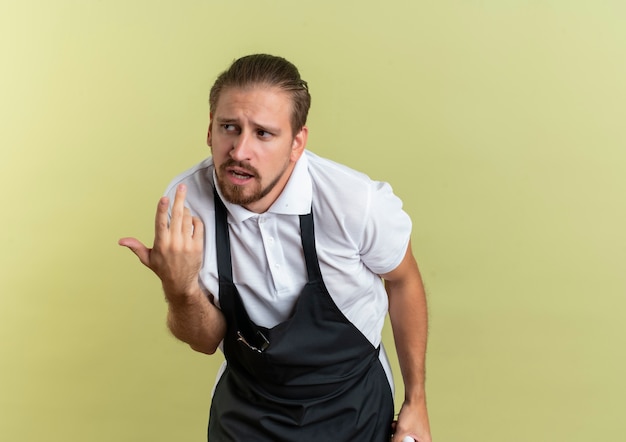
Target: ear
point(208, 136)
point(299, 143)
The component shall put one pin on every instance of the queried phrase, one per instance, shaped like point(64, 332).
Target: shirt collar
point(295, 199)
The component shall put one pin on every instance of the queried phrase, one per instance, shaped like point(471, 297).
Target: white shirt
point(361, 232)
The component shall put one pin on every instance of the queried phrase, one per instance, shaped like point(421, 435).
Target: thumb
point(138, 248)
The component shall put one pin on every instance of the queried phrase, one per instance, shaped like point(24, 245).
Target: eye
point(229, 127)
point(263, 133)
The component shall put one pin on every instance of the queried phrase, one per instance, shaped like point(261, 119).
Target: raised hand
point(176, 256)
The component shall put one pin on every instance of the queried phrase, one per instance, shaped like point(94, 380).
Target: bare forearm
point(409, 319)
point(194, 320)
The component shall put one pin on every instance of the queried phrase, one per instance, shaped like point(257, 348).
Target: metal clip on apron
point(314, 377)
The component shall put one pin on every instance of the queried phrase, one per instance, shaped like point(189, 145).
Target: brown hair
point(266, 70)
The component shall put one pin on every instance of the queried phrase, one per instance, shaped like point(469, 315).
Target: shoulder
point(325, 171)
point(337, 184)
point(344, 188)
point(365, 212)
point(351, 202)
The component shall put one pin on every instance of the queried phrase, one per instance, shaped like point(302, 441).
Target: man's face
point(253, 147)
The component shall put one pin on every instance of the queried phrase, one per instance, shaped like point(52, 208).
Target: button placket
point(274, 256)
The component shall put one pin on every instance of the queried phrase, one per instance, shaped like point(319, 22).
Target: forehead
point(253, 100)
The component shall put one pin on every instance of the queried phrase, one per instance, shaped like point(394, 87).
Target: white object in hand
point(408, 439)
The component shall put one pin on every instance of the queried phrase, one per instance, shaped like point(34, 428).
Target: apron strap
point(222, 240)
point(308, 245)
point(248, 333)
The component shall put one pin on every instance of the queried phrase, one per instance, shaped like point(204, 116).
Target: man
point(278, 257)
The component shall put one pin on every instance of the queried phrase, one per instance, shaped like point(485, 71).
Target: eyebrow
point(226, 120)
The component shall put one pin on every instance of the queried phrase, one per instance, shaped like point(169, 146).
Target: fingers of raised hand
point(187, 223)
point(182, 232)
point(178, 209)
point(198, 230)
point(180, 223)
point(160, 221)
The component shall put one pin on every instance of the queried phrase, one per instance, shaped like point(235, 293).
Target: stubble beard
point(236, 194)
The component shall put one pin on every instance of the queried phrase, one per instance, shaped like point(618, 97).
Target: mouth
point(239, 175)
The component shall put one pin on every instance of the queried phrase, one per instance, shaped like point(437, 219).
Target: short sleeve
point(386, 232)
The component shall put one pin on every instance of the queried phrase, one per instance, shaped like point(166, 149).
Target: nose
point(241, 147)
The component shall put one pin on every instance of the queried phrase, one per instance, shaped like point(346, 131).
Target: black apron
point(314, 377)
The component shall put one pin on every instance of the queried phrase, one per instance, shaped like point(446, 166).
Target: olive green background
point(500, 123)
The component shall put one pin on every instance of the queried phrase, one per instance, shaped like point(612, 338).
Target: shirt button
point(270, 240)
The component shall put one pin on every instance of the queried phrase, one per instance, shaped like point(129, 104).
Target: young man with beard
point(289, 263)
